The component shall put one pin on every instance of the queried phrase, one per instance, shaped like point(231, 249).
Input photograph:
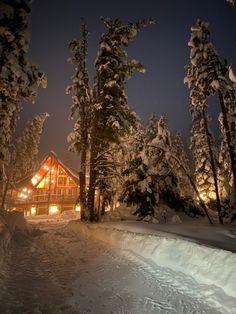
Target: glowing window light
point(24, 190)
point(33, 211)
point(77, 208)
point(53, 209)
point(34, 180)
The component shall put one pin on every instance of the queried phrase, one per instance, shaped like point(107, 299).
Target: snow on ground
point(65, 268)
point(211, 267)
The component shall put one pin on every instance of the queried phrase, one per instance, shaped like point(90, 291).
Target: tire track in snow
point(61, 272)
point(35, 279)
point(130, 284)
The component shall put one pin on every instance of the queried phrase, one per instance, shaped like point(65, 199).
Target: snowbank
point(205, 264)
point(10, 224)
point(5, 238)
point(14, 220)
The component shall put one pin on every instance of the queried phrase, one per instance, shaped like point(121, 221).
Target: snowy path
point(62, 272)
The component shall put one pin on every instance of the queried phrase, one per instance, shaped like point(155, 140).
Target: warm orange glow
point(23, 195)
point(33, 211)
point(77, 208)
point(53, 209)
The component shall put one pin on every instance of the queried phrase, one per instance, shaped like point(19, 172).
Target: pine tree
point(19, 79)
point(111, 116)
point(207, 75)
point(159, 149)
point(200, 150)
point(233, 2)
point(179, 150)
point(80, 111)
point(25, 152)
point(167, 167)
point(224, 171)
point(140, 186)
point(229, 95)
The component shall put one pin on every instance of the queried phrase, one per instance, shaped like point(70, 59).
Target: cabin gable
point(52, 188)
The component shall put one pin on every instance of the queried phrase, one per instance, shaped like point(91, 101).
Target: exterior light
point(77, 208)
point(34, 181)
point(33, 211)
point(53, 209)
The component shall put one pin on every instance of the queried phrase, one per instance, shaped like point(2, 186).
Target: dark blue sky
point(162, 48)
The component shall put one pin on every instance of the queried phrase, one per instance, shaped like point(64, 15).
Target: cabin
point(51, 189)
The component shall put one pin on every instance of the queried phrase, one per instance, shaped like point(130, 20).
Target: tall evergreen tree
point(111, 116)
point(140, 185)
point(19, 79)
point(167, 165)
point(179, 150)
point(159, 151)
point(25, 153)
point(233, 2)
point(200, 149)
point(207, 74)
point(80, 111)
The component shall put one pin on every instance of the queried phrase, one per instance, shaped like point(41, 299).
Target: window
point(61, 181)
point(71, 182)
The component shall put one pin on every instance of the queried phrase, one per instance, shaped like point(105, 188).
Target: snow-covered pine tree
point(233, 2)
point(207, 75)
point(151, 128)
point(111, 116)
point(167, 167)
point(80, 110)
point(19, 79)
point(225, 181)
point(229, 95)
point(159, 151)
point(139, 186)
point(179, 150)
point(109, 177)
point(200, 150)
point(24, 155)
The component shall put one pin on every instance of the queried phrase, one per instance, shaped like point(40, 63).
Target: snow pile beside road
point(212, 267)
point(10, 224)
point(5, 238)
point(15, 220)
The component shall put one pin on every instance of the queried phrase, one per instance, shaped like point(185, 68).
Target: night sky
point(162, 48)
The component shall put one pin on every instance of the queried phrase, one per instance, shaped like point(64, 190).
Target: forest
point(123, 159)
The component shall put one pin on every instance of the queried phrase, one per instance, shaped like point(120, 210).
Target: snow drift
point(5, 238)
point(206, 265)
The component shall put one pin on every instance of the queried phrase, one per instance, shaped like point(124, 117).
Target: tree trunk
point(92, 171)
point(82, 174)
point(213, 167)
point(192, 183)
point(5, 188)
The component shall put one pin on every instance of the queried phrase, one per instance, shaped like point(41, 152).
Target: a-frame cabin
point(52, 188)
